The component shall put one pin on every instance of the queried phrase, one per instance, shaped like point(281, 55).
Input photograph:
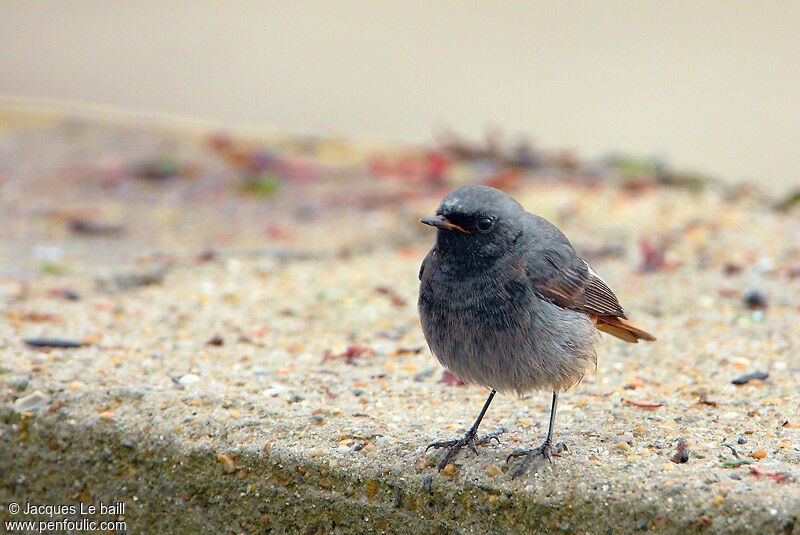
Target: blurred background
point(209, 256)
point(710, 87)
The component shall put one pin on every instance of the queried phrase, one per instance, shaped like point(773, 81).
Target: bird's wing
point(564, 279)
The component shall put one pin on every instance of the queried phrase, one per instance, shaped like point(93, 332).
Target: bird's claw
point(470, 440)
point(486, 439)
point(545, 451)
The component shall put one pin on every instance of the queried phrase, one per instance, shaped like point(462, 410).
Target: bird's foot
point(545, 451)
point(470, 440)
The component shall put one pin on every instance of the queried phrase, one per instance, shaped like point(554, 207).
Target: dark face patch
point(491, 219)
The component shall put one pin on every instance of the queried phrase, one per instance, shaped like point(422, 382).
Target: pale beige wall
point(711, 85)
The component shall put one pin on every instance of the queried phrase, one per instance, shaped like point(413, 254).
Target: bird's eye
point(485, 224)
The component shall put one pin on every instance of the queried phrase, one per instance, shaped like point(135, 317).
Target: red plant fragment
point(777, 477)
point(451, 379)
point(397, 299)
point(350, 354)
point(643, 405)
point(652, 257)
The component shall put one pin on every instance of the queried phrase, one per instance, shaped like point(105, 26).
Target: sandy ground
point(253, 365)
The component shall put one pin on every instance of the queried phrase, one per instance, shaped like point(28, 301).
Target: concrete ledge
point(174, 487)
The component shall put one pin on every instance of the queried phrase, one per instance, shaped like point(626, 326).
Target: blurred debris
point(739, 460)
point(788, 201)
point(653, 258)
point(120, 282)
point(424, 375)
point(524, 155)
point(64, 293)
point(777, 477)
point(207, 255)
point(350, 354)
point(604, 252)
point(264, 184)
point(638, 173)
point(53, 342)
point(744, 379)
point(215, 340)
point(93, 228)
point(730, 268)
point(642, 405)
point(754, 299)
point(705, 401)
point(681, 454)
point(634, 173)
point(735, 464)
point(409, 350)
point(689, 181)
point(162, 168)
point(397, 299)
point(35, 316)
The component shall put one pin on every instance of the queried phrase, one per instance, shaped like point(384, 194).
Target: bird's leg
point(470, 439)
point(546, 450)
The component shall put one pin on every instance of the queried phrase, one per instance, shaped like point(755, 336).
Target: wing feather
point(567, 281)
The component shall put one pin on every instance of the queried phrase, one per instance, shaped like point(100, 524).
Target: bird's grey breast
point(475, 322)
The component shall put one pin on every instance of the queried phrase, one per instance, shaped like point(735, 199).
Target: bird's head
point(476, 221)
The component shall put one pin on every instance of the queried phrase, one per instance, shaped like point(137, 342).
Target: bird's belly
point(506, 339)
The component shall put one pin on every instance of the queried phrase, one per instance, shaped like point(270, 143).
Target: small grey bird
point(506, 303)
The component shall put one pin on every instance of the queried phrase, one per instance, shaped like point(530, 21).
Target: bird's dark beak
point(440, 221)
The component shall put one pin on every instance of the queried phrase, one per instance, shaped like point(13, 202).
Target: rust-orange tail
point(621, 328)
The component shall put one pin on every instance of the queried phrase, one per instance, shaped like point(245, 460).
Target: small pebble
point(72, 295)
point(449, 470)
point(627, 437)
point(398, 495)
point(216, 340)
point(296, 398)
point(744, 379)
point(227, 463)
point(494, 470)
point(423, 375)
point(426, 483)
point(107, 415)
point(31, 402)
point(188, 379)
point(681, 454)
point(274, 391)
point(20, 385)
point(759, 454)
point(754, 298)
